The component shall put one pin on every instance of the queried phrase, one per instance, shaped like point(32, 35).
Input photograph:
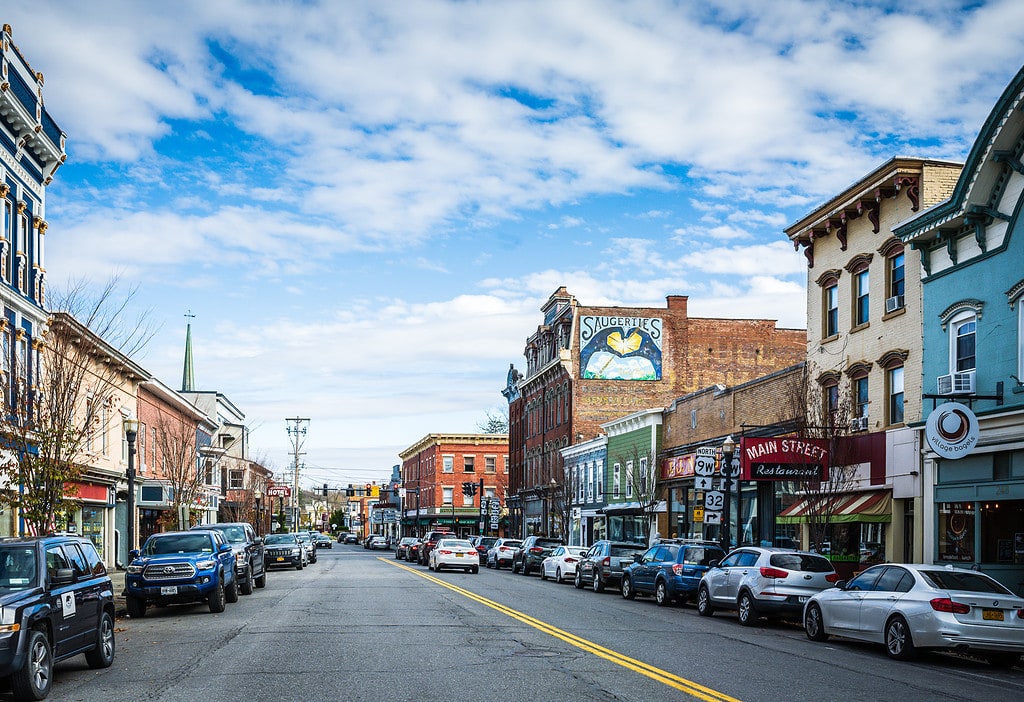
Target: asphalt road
point(359, 625)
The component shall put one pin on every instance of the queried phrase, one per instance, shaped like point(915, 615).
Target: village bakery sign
point(786, 458)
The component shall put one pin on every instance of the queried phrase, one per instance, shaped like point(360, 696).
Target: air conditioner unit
point(893, 303)
point(956, 383)
point(859, 424)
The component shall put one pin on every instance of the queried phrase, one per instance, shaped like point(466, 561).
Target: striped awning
point(874, 506)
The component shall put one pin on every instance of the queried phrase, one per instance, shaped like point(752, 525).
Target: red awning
point(873, 506)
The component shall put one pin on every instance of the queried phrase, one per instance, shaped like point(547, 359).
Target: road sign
point(703, 482)
point(712, 517)
point(706, 451)
point(714, 501)
point(495, 507)
point(733, 468)
point(704, 465)
point(698, 514)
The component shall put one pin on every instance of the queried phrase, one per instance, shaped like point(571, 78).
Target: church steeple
point(188, 380)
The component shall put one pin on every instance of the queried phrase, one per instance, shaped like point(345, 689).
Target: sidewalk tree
point(184, 461)
point(59, 397)
point(642, 482)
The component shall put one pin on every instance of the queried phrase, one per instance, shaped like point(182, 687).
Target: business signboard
point(620, 348)
point(784, 458)
point(952, 430)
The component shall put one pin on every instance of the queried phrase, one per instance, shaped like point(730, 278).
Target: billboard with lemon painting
point(620, 348)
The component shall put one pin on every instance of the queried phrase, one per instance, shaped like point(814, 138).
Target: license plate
point(173, 590)
point(459, 555)
point(801, 600)
point(280, 559)
point(992, 615)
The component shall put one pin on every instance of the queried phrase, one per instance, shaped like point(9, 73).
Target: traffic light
point(325, 489)
point(350, 491)
point(469, 489)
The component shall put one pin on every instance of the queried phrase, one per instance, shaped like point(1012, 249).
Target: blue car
point(670, 570)
point(181, 567)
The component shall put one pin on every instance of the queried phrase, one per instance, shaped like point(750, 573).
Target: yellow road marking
point(663, 676)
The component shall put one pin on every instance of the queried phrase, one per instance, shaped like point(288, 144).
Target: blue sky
point(365, 204)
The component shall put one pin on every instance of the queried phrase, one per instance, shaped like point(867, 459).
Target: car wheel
point(231, 592)
point(746, 610)
point(814, 624)
point(103, 655)
point(704, 607)
point(245, 587)
point(300, 565)
point(513, 567)
point(474, 570)
point(558, 575)
point(577, 582)
point(1002, 659)
point(661, 595)
point(33, 679)
point(899, 644)
point(261, 581)
point(628, 593)
point(596, 583)
point(543, 573)
point(136, 607)
point(218, 599)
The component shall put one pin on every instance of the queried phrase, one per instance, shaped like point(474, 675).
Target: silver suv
point(759, 582)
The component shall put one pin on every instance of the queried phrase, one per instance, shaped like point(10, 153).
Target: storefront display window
point(92, 525)
point(956, 531)
point(1002, 532)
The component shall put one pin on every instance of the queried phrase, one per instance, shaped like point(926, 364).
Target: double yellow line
point(663, 676)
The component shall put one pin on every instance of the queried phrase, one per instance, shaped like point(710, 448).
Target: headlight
point(134, 569)
point(240, 558)
point(296, 551)
point(206, 565)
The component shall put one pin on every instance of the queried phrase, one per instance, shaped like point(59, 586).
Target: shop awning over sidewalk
point(874, 506)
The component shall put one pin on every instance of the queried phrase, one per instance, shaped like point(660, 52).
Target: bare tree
point(642, 481)
point(176, 440)
point(494, 423)
point(56, 393)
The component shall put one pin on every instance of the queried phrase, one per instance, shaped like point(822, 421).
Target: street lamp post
point(131, 432)
point(728, 449)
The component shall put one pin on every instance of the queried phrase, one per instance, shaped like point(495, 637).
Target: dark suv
point(181, 566)
point(603, 563)
point(532, 553)
point(428, 542)
point(57, 602)
point(248, 550)
point(670, 571)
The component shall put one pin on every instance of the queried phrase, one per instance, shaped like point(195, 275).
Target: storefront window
point(1002, 532)
point(92, 525)
point(956, 531)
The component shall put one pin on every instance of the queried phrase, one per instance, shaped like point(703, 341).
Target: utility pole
point(297, 432)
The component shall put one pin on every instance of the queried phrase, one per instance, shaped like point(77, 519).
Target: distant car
point(759, 582)
point(413, 551)
point(561, 564)
point(284, 550)
point(670, 571)
point(351, 539)
point(454, 553)
point(502, 552)
point(322, 540)
point(602, 565)
point(378, 541)
point(402, 547)
point(482, 544)
point(532, 553)
point(910, 607)
point(248, 548)
point(307, 543)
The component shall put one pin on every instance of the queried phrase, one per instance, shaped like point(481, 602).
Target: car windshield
point(547, 543)
point(624, 550)
point(17, 568)
point(234, 534)
point(279, 539)
point(454, 543)
point(487, 541)
point(511, 543)
point(965, 582)
point(575, 550)
point(303, 537)
point(698, 555)
point(177, 543)
point(803, 562)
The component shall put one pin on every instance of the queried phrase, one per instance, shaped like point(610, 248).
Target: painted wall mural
point(620, 348)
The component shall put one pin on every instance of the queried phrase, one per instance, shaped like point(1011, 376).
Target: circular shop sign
point(952, 430)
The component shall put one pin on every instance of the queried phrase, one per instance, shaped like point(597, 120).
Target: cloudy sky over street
point(365, 204)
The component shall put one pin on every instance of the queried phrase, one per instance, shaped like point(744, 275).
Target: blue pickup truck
point(181, 567)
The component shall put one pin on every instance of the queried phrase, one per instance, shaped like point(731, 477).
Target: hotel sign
point(788, 458)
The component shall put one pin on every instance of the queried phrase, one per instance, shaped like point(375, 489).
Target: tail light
point(944, 604)
point(832, 578)
point(445, 552)
point(1020, 614)
point(570, 560)
point(768, 572)
point(677, 568)
point(535, 550)
point(606, 562)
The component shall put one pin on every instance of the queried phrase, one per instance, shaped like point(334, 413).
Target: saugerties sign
point(787, 458)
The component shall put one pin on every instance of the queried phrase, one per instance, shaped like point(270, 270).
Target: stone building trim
point(893, 358)
point(959, 306)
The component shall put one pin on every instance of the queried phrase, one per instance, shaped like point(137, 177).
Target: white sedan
point(911, 607)
point(561, 564)
point(454, 553)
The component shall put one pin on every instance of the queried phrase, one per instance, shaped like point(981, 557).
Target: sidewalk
point(117, 578)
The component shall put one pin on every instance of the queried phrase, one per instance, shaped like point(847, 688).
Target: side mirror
point(714, 564)
point(133, 554)
point(62, 576)
point(223, 547)
point(841, 584)
point(636, 557)
point(258, 541)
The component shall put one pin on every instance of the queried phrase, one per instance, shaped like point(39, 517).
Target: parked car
point(307, 543)
point(45, 583)
point(532, 553)
point(669, 571)
point(501, 553)
point(413, 551)
point(248, 548)
point(561, 564)
point(454, 553)
point(351, 539)
point(379, 541)
point(178, 567)
point(482, 544)
point(322, 540)
point(602, 565)
point(760, 582)
point(911, 607)
point(427, 544)
point(284, 550)
point(402, 547)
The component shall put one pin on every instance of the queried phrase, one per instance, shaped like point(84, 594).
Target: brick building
point(433, 472)
point(587, 365)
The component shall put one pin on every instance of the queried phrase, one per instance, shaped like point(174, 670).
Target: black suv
point(532, 553)
point(57, 602)
point(428, 542)
point(603, 562)
point(248, 548)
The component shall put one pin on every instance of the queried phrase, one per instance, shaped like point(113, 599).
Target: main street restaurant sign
point(783, 458)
